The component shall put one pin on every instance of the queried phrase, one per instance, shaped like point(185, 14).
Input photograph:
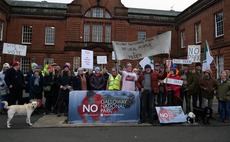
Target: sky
point(177, 5)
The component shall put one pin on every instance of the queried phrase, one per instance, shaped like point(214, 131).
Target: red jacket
point(175, 88)
point(154, 80)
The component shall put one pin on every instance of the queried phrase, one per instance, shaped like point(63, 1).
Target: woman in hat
point(97, 81)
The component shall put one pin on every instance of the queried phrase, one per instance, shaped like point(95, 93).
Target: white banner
point(160, 44)
point(194, 53)
point(14, 49)
point(173, 81)
point(101, 59)
point(181, 61)
point(87, 59)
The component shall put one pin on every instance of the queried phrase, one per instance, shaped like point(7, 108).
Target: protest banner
point(194, 53)
point(173, 81)
point(14, 49)
point(160, 44)
point(101, 59)
point(182, 61)
point(171, 114)
point(103, 106)
point(87, 59)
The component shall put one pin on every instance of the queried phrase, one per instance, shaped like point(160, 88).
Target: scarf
point(83, 82)
point(36, 81)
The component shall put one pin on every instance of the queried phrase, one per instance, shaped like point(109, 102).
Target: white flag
point(207, 57)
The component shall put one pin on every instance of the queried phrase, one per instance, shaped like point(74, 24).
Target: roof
point(153, 12)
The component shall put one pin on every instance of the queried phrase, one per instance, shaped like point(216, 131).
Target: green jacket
point(188, 75)
point(193, 83)
point(223, 91)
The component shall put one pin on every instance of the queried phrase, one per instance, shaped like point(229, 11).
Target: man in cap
point(128, 78)
point(185, 73)
point(207, 85)
point(12, 82)
point(147, 83)
point(193, 88)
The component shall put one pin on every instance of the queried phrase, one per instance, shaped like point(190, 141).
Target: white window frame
point(219, 25)
point(1, 30)
point(98, 12)
point(220, 64)
point(87, 32)
point(49, 35)
point(108, 33)
point(141, 35)
point(198, 33)
point(97, 32)
point(76, 62)
point(27, 35)
point(182, 39)
point(25, 64)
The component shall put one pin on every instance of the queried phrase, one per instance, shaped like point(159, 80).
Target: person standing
point(64, 83)
point(12, 83)
point(88, 76)
point(223, 96)
point(128, 78)
point(29, 74)
point(207, 85)
point(106, 76)
point(185, 74)
point(80, 80)
point(49, 89)
point(193, 88)
point(173, 90)
point(114, 81)
point(147, 83)
point(4, 91)
point(97, 81)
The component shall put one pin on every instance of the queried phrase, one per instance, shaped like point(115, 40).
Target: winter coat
point(207, 87)
point(223, 91)
point(155, 77)
point(11, 78)
point(27, 80)
point(50, 80)
point(64, 80)
point(175, 88)
point(193, 83)
point(77, 82)
point(3, 87)
point(97, 82)
point(36, 90)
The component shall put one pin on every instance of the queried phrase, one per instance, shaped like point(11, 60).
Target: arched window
point(97, 12)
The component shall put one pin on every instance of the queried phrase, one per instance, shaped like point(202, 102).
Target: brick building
point(55, 32)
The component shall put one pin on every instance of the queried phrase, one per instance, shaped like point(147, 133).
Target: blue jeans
point(224, 110)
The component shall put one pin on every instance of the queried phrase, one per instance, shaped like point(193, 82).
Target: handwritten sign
point(101, 59)
point(14, 49)
point(173, 81)
point(194, 53)
point(160, 44)
point(181, 61)
point(87, 59)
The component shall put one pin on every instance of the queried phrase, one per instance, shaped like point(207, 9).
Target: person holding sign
point(147, 83)
point(128, 78)
point(114, 81)
point(173, 90)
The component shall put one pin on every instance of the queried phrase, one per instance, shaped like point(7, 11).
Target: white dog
point(26, 109)
point(191, 118)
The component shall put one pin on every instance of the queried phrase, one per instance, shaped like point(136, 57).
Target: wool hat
point(15, 63)
point(173, 69)
point(34, 65)
point(65, 66)
point(36, 70)
point(49, 67)
point(198, 64)
point(147, 66)
point(97, 68)
point(6, 65)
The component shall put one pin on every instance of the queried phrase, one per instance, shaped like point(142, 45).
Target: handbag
point(46, 88)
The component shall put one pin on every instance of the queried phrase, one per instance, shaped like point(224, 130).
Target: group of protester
point(55, 83)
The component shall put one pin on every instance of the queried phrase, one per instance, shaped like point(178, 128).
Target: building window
point(220, 64)
point(108, 33)
point(198, 32)
point(25, 65)
point(48, 61)
point(26, 34)
point(87, 32)
point(97, 32)
point(76, 62)
point(98, 12)
point(219, 24)
point(49, 35)
point(141, 35)
point(182, 39)
point(1, 31)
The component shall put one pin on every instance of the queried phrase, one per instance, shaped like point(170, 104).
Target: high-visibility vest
point(115, 83)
